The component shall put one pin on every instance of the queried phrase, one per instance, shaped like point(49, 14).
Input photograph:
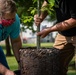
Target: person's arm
point(39, 19)
point(64, 25)
point(44, 14)
point(16, 45)
point(15, 38)
point(67, 24)
point(5, 71)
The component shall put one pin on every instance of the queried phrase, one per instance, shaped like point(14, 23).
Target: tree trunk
point(8, 48)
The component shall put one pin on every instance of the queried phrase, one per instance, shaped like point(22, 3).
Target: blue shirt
point(12, 30)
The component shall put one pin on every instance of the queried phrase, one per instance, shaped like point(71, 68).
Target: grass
point(42, 45)
point(12, 63)
point(71, 72)
point(14, 66)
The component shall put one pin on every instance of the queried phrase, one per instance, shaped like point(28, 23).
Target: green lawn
point(13, 64)
point(71, 72)
point(42, 45)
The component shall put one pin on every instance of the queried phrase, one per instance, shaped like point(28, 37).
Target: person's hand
point(43, 33)
point(9, 72)
point(37, 20)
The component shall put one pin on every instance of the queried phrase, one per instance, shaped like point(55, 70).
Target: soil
point(39, 62)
